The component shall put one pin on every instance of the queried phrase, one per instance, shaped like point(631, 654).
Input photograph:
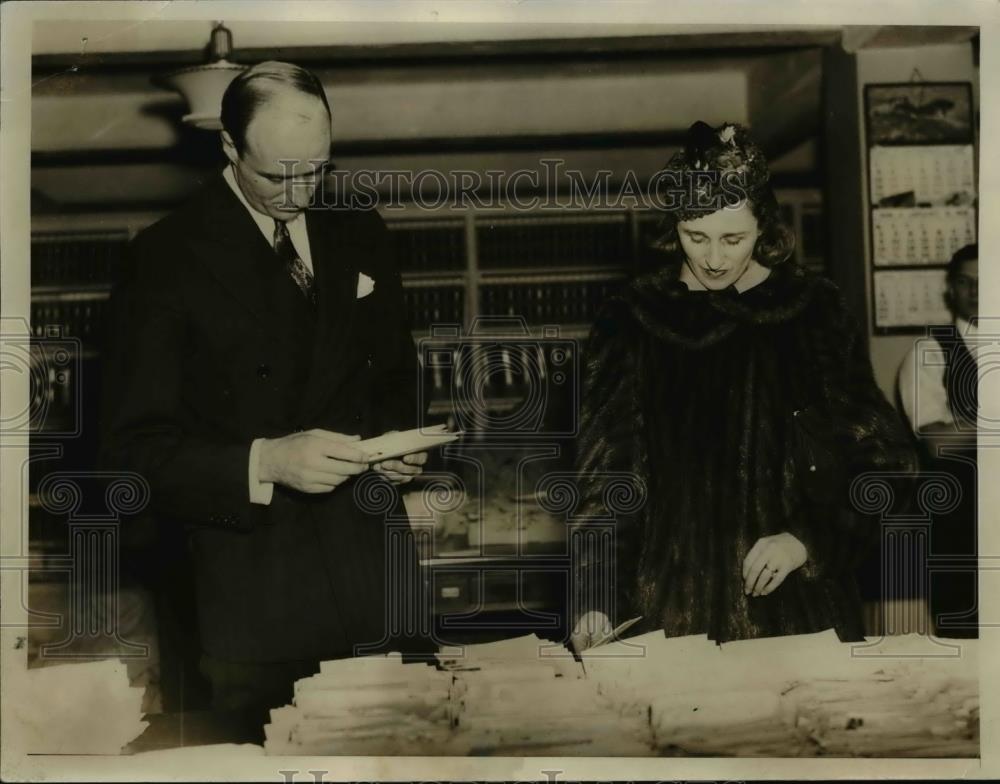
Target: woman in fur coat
point(732, 393)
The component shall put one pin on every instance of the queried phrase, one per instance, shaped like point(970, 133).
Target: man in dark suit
point(255, 341)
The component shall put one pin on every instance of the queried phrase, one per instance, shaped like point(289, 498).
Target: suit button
point(263, 372)
point(357, 417)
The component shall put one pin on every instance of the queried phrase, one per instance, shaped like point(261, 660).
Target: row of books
point(533, 243)
point(568, 302)
point(428, 306)
point(420, 248)
point(650, 228)
point(95, 261)
point(513, 243)
point(564, 302)
point(80, 316)
point(436, 246)
point(76, 262)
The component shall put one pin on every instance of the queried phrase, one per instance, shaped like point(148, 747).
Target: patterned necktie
point(290, 258)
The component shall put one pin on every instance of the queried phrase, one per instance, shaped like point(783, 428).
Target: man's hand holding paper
point(315, 461)
point(410, 446)
point(403, 470)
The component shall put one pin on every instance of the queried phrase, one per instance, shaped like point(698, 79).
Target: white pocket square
point(365, 285)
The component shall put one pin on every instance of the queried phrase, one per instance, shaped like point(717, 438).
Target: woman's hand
point(591, 627)
point(770, 561)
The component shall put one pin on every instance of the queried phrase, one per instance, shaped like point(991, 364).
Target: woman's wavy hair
point(774, 246)
point(726, 156)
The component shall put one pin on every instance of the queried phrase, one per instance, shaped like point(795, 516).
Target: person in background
point(938, 391)
point(734, 391)
point(255, 340)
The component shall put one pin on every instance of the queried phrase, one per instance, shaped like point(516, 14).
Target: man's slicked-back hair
point(255, 86)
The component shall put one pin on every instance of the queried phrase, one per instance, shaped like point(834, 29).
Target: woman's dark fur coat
point(695, 394)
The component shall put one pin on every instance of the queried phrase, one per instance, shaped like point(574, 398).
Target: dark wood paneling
point(205, 147)
point(478, 52)
point(845, 182)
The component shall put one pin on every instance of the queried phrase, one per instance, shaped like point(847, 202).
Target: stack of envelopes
point(646, 695)
point(796, 695)
point(372, 705)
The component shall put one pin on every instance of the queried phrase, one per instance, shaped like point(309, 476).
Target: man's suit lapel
point(335, 256)
point(238, 255)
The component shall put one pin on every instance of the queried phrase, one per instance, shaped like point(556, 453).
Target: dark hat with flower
point(716, 168)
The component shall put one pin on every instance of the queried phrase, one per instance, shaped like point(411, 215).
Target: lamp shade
point(202, 86)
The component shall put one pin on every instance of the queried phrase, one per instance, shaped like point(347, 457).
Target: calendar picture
point(919, 113)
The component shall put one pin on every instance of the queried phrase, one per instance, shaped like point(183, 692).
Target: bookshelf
point(549, 267)
point(527, 285)
point(471, 269)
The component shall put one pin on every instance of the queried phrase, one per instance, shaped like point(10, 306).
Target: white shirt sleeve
point(921, 385)
point(260, 492)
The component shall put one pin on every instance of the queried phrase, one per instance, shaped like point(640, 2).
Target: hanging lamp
point(203, 85)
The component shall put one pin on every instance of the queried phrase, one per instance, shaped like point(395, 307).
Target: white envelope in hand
point(365, 285)
point(406, 442)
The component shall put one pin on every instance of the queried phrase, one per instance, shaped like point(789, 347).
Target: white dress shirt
point(263, 492)
point(921, 379)
point(296, 226)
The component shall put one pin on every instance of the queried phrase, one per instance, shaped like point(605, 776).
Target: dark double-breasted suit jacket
point(213, 346)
